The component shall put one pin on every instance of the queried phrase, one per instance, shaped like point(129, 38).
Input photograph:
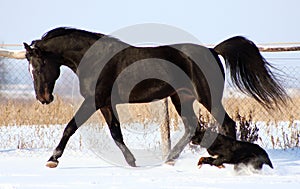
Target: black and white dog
point(225, 149)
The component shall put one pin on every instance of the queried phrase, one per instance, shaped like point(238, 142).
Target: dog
point(224, 149)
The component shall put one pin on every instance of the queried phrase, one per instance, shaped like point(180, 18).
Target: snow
point(24, 151)
point(279, 135)
point(77, 169)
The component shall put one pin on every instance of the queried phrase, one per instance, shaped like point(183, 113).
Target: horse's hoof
point(170, 162)
point(132, 164)
point(51, 164)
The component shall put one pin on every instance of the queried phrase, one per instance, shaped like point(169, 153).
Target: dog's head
point(258, 159)
point(197, 138)
point(205, 137)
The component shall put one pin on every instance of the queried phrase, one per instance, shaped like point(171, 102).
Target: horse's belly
point(147, 91)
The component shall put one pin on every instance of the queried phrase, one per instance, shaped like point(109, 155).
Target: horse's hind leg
point(115, 131)
point(228, 125)
point(221, 116)
point(190, 121)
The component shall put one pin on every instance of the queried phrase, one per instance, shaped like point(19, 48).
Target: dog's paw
point(200, 162)
point(221, 166)
point(199, 166)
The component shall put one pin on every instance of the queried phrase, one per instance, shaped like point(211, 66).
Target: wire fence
point(19, 109)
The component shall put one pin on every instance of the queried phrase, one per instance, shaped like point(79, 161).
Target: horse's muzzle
point(45, 98)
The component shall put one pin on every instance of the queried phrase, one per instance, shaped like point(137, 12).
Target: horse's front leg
point(85, 111)
point(115, 131)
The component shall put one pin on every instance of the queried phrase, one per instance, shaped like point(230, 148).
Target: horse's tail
point(250, 72)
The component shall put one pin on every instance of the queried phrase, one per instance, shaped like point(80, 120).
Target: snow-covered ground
point(25, 169)
point(81, 168)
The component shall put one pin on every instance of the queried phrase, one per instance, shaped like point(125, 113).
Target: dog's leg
point(211, 161)
point(218, 162)
point(205, 160)
point(221, 166)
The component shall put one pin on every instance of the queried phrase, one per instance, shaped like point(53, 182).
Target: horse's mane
point(61, 31)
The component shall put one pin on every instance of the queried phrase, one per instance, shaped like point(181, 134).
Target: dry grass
point(17, 112)
point(20, 112)
point(245, 106)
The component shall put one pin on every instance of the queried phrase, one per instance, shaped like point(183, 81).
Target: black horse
point(112, 72)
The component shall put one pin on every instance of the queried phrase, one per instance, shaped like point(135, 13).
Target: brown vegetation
point(31, 112)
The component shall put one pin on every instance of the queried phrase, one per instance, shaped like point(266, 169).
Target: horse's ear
point(27, 47)
point(35, 51)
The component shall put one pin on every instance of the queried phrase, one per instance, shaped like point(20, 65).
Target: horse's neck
point(71, 50)
point(86, 52)
point(93, 54)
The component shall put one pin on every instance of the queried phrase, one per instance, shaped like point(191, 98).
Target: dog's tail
point(250, 72)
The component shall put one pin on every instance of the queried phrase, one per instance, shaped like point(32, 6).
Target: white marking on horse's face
point(31, 69)
point(223, 62)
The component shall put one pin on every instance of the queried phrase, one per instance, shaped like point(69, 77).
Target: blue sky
point(211, 21)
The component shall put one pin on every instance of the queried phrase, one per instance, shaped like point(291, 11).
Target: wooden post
point(278, 49)
point(12, 54)
point(165, 131)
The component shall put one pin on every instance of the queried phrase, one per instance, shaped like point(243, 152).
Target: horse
point(113, 72)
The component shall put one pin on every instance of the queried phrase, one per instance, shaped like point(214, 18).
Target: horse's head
point(45, 70)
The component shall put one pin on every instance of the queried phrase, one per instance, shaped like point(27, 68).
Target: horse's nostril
point(51, 98)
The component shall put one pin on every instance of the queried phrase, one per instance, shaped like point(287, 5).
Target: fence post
point(165, 131)
point(278, 49)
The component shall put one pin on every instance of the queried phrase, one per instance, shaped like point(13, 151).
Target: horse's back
point(142, 74)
